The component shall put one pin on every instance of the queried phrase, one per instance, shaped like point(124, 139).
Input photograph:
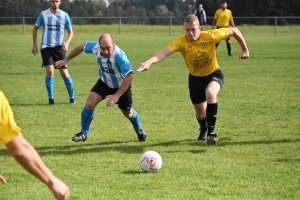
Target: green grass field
point(258, 155)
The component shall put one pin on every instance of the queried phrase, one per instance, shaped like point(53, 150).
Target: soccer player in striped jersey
point(24, 152)
point(115, 73)
point(205, 78)
point(54, 22)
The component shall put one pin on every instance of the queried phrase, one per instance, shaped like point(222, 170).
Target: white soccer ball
point(150, 161)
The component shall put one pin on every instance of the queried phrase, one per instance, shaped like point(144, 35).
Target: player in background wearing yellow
point(222, 18)
point(24, 153)
point(205, 78)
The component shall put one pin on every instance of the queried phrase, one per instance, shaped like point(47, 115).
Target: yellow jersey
point(8, 126)
point(200, 56)
point(223, 17)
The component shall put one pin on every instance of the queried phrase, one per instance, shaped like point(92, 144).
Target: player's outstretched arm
point(240, 39)
point(157, 57)
point(78, 50)
point(28, 158)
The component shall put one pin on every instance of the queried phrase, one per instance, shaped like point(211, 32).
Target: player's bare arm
point(240, 39)
point(114, 98)
point(34, 37)
point(78, 50)
point(70, 37)
point(157, 57)
point(213, 24)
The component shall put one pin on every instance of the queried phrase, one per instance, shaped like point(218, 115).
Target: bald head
point(106, 38)
point(106, 44)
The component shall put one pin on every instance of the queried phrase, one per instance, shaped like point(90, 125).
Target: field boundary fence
point(166, 21)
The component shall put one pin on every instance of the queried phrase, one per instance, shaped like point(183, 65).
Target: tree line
point(149, 11)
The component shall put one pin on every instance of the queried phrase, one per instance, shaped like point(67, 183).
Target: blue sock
point(69, 84)
point(87, 117)
point(135, 121)
point(50, 87)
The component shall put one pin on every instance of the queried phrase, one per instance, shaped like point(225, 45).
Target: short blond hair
point(191, 19)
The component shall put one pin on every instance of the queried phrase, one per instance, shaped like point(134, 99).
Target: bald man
point(114, 84)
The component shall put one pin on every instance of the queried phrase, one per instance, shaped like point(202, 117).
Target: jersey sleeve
point(68, 24)
point(8, 126)
point(123, 64)
point(88, 47)
point(219, 34)
point(39, 22)
point(175, 45)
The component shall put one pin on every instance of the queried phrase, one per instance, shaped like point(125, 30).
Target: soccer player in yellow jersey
point(222, 18)
point(205, 78)
point(24, 153)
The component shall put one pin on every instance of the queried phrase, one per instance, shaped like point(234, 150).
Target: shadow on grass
point(124, 147)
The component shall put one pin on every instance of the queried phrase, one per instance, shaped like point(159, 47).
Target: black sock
point(229, 49)
point(203, 124)
point(211, 115)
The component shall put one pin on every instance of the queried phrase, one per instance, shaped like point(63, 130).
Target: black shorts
point(198, 85)
point(51, 55)
point(125, 101)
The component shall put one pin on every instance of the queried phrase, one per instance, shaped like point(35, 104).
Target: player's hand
point(244, 55)
point(143, 67)
point(112, 100)
point(34, 50)
point(59, 189)
point(65, 48)
point(2, 179)
point(60, 63)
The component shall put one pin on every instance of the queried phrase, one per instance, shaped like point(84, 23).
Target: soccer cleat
point(141, 135)
point(72, 101)
point(52, 102)
point(229, 54)
point(212, 139)
point(79, 137)
point(202, 135)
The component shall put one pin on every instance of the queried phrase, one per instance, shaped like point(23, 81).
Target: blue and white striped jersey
point(54, 26)
point(112, 70)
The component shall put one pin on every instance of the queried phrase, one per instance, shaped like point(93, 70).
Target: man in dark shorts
point(205, 79)
point(115, 73)
point(54, 22)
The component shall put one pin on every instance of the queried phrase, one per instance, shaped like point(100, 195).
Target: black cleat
point(212, 139)
point(141, 135)
point(229, 54)
point(52, 102)
point(72, 101)
point(202, 135)
point(79, 137)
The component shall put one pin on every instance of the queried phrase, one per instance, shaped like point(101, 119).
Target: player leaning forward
point(205, 78)
point(115, 73)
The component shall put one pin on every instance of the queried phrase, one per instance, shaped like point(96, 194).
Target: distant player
point(54, 22)
point(222, 18)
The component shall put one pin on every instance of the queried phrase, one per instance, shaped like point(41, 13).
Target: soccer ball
point(150, 161)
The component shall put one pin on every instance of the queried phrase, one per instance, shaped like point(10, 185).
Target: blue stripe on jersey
point(57, 32)
point(48, 35)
